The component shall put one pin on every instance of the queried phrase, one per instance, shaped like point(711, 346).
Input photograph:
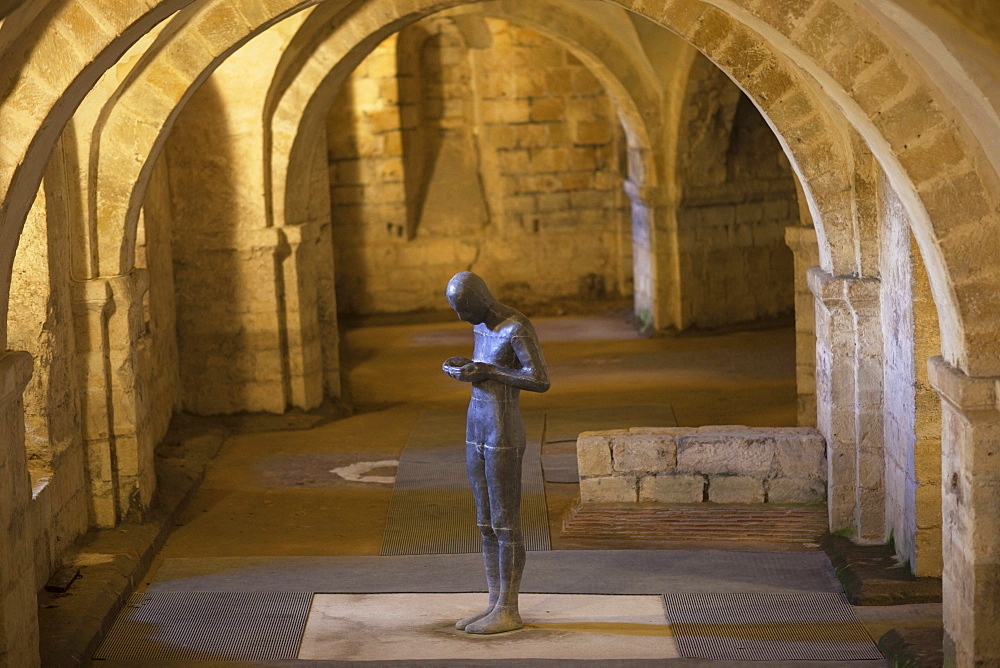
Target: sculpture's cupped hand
point(453, 366)
point(455, 362)
point(466, 370)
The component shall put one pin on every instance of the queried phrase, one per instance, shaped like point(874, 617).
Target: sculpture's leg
point(491, 563)
point(503, 473)
point(476, 466)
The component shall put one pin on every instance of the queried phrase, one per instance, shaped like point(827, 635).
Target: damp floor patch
point(432, 509)
point(768, 627)
point(554, 571)
point(223, 626)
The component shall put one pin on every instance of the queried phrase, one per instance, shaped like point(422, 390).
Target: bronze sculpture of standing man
point(506, 359)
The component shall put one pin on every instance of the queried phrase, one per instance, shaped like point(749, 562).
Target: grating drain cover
point(209, 625)
point(768, 627)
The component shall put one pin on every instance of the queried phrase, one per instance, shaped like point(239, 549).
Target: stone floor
point(272, 494)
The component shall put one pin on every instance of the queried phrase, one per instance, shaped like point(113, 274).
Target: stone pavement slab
point(421, 627)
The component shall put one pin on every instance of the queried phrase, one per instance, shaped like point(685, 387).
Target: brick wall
point(505, 159)
point(721, 464)
point(738, 195)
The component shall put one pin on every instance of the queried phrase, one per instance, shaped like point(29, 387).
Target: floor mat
point(245, 626)
point(734, 523)
point(768, 627)
point(432, 510)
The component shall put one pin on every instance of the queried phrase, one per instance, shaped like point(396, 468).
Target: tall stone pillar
point(296, 253)
point(805, 251)
point(110, 341)
point(18, 598)
point(849, 401)
point(970, 499)
point(656, 277)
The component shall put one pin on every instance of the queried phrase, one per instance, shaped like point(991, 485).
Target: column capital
point(275, 237)
point(801, 238)
point(646, 195)
point(102, 289)
point(853, 290)
point(966, 393)
point(15, 372)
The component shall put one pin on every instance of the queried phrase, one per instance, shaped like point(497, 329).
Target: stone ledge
point(961, 391)
point(720, 463)
point(871, 575)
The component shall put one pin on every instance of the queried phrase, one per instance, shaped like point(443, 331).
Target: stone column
point(849, 400)
point(805, 250)
point(110, 341)
point(18, 598)
point(300, 315)
point(654, 256)
point(970, 472)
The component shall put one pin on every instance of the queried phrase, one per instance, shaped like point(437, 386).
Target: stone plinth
point(723, 464)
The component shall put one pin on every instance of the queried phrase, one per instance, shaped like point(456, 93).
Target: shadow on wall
point(213, 289)
point(442, 170)
point(477, 144)
point(738, 196)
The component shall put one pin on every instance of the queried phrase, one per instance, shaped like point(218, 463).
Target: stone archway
point(849, 68)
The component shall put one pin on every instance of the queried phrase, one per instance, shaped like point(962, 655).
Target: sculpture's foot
point(499, 620)
point(462, 623)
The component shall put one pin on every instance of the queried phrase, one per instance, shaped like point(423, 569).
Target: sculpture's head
point(469, 296)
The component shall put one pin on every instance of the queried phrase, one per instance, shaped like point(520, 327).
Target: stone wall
point(246, 291)
point(41, 322)
point(18, 598)
point(720, 464)
point(737, 196)
point(159, 336)
point(494, 150)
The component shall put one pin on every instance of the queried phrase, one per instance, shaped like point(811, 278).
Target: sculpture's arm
point(533, 374)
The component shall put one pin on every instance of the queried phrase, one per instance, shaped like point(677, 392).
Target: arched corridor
point(197, 192)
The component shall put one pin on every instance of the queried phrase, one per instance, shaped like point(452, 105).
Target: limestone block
point(735, 489)
point(593, 132)
point(737, 452)
point(634, 453)
point(593, 453)
point(671, 432)
point(548, 109)
point(796, 490)
point(801, 453)
point(619, 489)
point(672, 489)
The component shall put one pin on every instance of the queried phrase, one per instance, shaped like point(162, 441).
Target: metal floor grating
point(235, 626)
point(768, 627)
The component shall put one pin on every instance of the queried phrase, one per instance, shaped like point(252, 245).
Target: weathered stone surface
point(735, 489)
point(733, 452)
point(639, 453)
point(593, 455)
point(672, 489)
point(801, 454)
point(619, 489)
point(796, 490)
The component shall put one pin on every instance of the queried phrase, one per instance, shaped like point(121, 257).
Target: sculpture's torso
point(494, 418)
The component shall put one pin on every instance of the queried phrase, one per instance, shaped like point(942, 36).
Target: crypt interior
point(759, 239)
